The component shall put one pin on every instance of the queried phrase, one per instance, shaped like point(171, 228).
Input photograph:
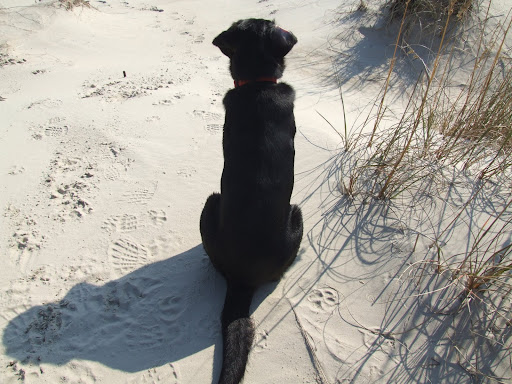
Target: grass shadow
point(430, 330)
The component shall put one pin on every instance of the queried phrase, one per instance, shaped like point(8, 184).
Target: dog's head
point(256, 48)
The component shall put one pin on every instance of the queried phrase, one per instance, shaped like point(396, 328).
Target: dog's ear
point(226, 42)
point(282, 42)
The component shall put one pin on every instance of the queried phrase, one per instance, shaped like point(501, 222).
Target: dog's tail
point(237, 333)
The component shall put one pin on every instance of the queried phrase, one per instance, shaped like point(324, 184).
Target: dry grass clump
point(424, 20)
point(485, 115)
point(428, 10)
point(442, 126)
point(70, 4)
point(456, 129)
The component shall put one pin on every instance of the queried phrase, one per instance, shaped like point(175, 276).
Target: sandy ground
point(102, 182)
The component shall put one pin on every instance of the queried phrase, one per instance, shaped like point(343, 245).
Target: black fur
point(250, 231)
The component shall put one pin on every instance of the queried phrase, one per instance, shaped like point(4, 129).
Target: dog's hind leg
point(209, 227)
point(295, 231)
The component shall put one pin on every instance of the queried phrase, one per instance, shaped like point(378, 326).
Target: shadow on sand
point(360, 49)
point(157, 314)
point(430, 331)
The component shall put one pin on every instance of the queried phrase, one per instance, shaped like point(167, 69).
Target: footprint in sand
point(384, 341)
point(117, 170)
point(165, 245)
point(199, 39)
point(45, 328)
point(186, 172)
point(144, 337)
point(16, 170)
point(353, 363)
point(67, 163)
point(113, 172)
point(45, 104)
point(111, 161)
point(212, 119)
point(166, 102)
point(18, 372)
point(76, 373)
point(167, 373)
point(20, 296)
point(55, 127)
point(126, 255)
point(121, 296)
point(71, 373)
point(261, 341)
point(5, 59)
point(137, 85)
point(205, 115)
point(69, 201)
point(39, 332)
point(142, 194)
point(26, 247)
point(56, 131)
point(25, 242)
point(170, 309)
point(214, 128)
point(151, 8)
point(70, 182)
point(323, 300)
point(11, 312)
point(121, 223)
point(157, 217)
point(110, 151)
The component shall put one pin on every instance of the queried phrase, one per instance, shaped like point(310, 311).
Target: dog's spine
point(237, 333)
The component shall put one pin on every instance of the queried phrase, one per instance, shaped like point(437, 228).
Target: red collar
point(263, 79)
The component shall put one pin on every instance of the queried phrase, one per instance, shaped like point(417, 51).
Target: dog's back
point(258, 175)
point(250, 231)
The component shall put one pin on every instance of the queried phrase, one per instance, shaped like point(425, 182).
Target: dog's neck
point(263, 79)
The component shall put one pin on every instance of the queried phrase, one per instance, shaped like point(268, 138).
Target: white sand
point(102, 182)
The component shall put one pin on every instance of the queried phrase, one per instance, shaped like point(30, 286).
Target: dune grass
point(430, 8)
point(448, 133)
point(428, 13)
point(70, 4)
point(470, 126)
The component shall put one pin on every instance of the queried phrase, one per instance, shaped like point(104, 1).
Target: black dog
point(250, 231)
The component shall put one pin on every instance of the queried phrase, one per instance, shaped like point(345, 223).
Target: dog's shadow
point(159, 313)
